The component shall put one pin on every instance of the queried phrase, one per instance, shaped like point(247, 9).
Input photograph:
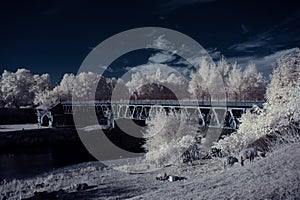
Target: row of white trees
point(158, 86)
point(82, 87)
point(21, 88)
point(206, 83)
point(237, 83)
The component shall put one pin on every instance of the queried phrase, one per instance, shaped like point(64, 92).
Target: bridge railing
point(211, 99)
point(186, 102)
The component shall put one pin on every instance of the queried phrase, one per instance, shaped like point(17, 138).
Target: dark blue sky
point(53, 36)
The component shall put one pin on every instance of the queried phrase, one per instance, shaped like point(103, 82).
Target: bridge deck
point(181, 103)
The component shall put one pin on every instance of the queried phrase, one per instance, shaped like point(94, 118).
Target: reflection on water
point(30, 161)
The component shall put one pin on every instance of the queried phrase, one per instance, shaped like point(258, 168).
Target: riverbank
point(27, 150)
point(273, 177)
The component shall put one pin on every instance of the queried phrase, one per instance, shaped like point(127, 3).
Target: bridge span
point(204, 113)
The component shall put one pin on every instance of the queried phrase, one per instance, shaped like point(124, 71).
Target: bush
point(168, 137)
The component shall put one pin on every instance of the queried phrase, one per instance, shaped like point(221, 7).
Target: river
point(26, 162)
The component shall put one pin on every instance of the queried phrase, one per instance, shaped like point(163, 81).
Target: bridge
point(206, 113)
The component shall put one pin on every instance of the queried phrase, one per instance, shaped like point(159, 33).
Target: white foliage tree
point(157, 86)
point(281, 113)
point(179, 85)
point(245, 85)
point(224, 69)
point(158, 75)
point(205, 81)
point(2, 103)
point(47, 98)
point(42, 89)
point(137, 80)
point(283, 93)
point(253, 84)
point(85, 84)
point(21, 88)
point(62, 92)
point(234, 82)
point(41, 83)
point(16, 88)
point(65, 89)
point(167, 138)
point(120, 91)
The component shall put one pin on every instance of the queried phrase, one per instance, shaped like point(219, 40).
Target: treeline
point(211, 81)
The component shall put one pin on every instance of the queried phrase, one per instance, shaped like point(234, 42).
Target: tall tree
point(16, 88)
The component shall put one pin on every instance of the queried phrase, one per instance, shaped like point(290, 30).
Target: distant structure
point(53, 116)
point(204, 113)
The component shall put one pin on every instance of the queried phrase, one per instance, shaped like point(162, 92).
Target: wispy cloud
point(264, 64)
point(163, 57)
point(166, 56)
point(162, 43)
point(252, 44)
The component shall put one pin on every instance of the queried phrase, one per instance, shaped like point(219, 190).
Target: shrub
point(168, 137)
